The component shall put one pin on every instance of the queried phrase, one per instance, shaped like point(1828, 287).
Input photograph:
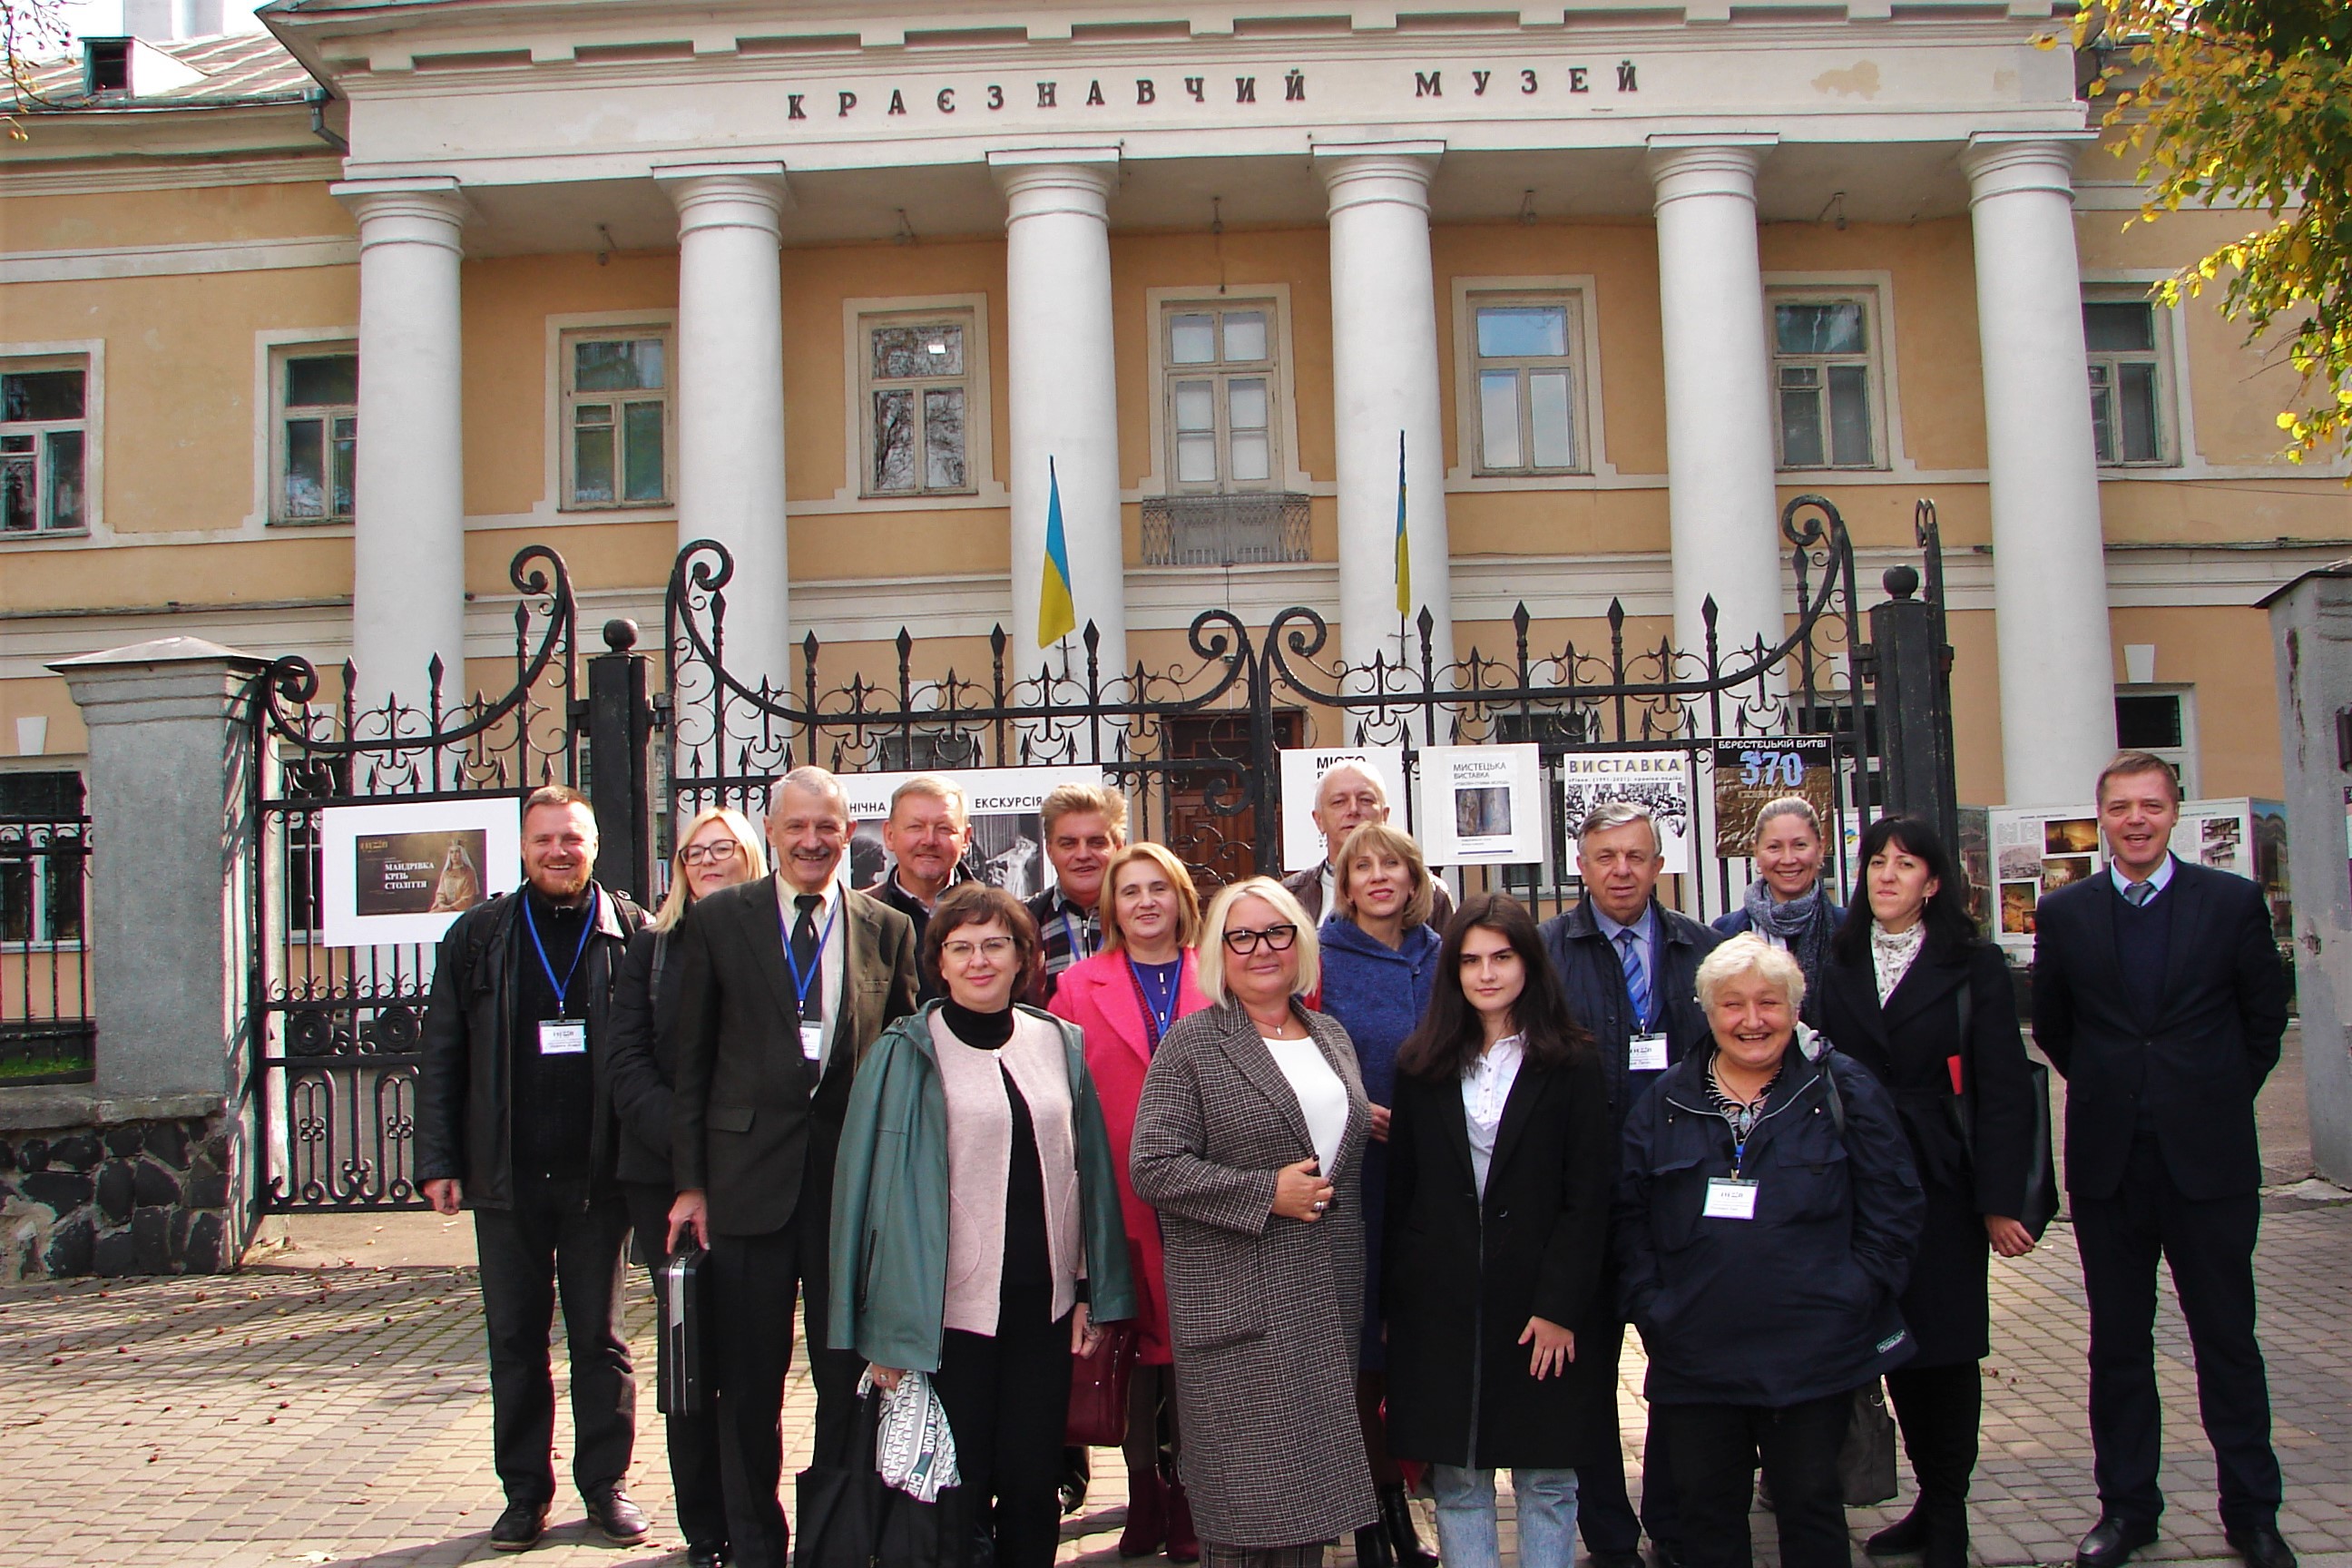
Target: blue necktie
point(1637, 984)
point(2138, 894)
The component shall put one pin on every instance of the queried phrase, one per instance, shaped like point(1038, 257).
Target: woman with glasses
point(1249, 1142)
point(1380, 960)
point(1126, 998)
point(976, 1229)
point(719, 848)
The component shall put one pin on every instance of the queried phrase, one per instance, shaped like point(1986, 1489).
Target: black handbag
point(849, 1517)
point(2040, 1205)
point(1866, 1457)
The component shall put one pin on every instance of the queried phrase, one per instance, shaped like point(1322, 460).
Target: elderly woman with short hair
point(1766, 1216)
point(1249, 1141)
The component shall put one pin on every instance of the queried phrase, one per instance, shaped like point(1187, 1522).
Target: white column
point(2049, 563)
point(1720, 458)
point(731, 396)
point(408, 531)
point(1065, 397)
point(1385, 383)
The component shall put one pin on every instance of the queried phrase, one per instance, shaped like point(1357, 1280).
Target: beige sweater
point(979, 1159)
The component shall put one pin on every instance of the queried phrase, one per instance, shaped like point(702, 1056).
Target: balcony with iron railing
point(1248, 530)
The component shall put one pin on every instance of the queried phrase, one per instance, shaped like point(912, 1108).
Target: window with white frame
point(2127, 422)
point(1524, 361)
point(44, 445)
point(616, 418)
point(2161, 720)
point(1222, 384)
point(917, 403)
point(43, 857)
point(1824, 381)
point(316, 424)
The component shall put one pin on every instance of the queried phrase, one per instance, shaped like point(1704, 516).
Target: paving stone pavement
point(317, 1411)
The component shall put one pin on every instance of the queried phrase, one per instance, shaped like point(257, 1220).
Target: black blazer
point(1463, 1276)
point(1594, 977)
point(741, 1118)
point(643, 1062)
point(2195, 1055)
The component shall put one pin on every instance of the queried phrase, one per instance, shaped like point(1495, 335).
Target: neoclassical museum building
point(304, 333)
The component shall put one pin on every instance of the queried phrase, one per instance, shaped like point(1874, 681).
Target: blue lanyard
point(563, 989)
point(1163, 1012)
point(1076, 933)
point(801, 983)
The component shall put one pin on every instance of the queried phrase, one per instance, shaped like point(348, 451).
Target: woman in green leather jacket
point(976, 1228)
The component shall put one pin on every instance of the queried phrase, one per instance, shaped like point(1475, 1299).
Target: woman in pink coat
point(1126, 999)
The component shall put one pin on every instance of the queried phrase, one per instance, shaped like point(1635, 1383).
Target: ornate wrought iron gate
point(1194, 744)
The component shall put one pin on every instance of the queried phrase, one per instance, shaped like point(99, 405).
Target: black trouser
point(548, 1244)
point(1008, 1402)
point(1604, 1515)
point(834, 1373)
point(693, 1439)
point(1715, 1449)
point(1939, 1409)
point(753, 1278)
point(2210, 1247)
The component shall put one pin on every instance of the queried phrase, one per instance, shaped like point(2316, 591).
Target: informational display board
point(1658, 780)
point(1750, 773)
point(1482, 806)
point(1303, 768)
point(2038, 850)
point(1008, 840)
point(401, 873)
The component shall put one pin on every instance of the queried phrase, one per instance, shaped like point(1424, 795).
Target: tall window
point(318, 435)
point(2162, 719)
point(1221, 391)
point(917, 392)
point(2127, 382)
point(1527, 386)
point(44, 447)
point(43, 858)
point(1821, 378)
point(617, 410)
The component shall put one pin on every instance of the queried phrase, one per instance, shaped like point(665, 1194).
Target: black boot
point(1946, 1544)
point(1396, 1517)
point(1907, 1534)
point(1372, 1547)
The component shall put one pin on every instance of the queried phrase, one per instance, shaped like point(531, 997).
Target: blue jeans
point(1466, 1536)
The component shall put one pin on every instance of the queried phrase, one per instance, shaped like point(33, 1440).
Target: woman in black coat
point(1500, 1160)
point(1905, 968)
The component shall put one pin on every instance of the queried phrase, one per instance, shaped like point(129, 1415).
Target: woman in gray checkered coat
point(1249, 1140)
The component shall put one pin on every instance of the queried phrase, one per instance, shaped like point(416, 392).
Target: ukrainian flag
point(1057, 612)
point(1404, 555)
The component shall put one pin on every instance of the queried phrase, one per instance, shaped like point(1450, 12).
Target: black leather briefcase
point(685, 1333)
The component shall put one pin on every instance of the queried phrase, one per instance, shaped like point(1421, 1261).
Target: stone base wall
point(114, 1193)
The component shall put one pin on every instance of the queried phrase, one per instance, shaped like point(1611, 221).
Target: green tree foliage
point(2247, 105)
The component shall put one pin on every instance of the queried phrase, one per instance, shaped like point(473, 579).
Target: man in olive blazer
point(782, 984)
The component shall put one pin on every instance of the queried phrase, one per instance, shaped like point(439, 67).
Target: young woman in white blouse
point(1500, 1166)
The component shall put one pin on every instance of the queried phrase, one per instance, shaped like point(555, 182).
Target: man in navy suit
point(2158, 994)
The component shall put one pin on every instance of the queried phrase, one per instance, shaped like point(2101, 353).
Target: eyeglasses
point(717, 852)
point(1243, 941)
point(995, 949)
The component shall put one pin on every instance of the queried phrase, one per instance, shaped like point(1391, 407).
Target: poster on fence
point(401, 873)
point(1482, 806)
point(1749, 773)
point(1658, 780)
point(1302, 775)
point(2038, 850)
point(1008, 840)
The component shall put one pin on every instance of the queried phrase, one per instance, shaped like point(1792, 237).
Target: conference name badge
point(562, 1036)
point(1729, 1197)
point(812, 1042)
point(1647, 1053)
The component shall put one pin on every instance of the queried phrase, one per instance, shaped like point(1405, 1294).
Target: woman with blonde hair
point(1249, 1142)
point(1789, 904)
point(1126, 998)
point(717, 848)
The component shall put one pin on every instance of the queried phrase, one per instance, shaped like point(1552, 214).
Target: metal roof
point(237, 68)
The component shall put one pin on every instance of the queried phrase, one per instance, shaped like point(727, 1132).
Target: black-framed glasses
point(719, 851)
point(1243, 941)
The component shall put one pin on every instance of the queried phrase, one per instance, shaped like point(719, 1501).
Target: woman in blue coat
point(1789, 903)
point(1380, 962)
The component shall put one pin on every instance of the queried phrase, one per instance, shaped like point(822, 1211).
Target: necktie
point(806, 958)
point(1637, 984)
point(2138, 894)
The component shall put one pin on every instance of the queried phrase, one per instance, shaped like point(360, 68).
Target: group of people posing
point(1376, 1181)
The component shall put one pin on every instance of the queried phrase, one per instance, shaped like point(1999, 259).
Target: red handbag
point(1099, 1385)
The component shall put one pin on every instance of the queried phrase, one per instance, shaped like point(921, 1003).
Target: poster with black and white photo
point(391, 874)
point(1482, 806)
point(1658, 780)
point(1008, 839)
point(1302, 776)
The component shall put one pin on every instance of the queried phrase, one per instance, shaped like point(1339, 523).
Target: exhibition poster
point(401, 873)
point(1303, 767)
point(1658, 780)
point(1482, 806)
point(1750, 773)
point(1008, 841)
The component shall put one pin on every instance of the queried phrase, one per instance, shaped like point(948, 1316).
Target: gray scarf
point(1802, 925)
